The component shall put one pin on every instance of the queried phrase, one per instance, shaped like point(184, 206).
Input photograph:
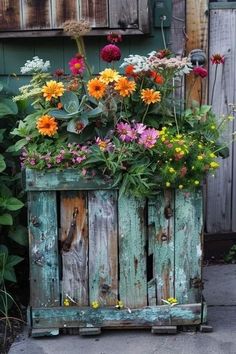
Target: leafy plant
point(231, 256)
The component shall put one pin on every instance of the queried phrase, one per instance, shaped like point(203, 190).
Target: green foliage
point(231, 256)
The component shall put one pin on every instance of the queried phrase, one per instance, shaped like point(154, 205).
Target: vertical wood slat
point(75, 261)
point(63, 10)
point(132, 253)
point(221, 191)
point(96, 12)
point(36, 14)
point(161, 242)
point(177, 40)
point(43, 246)
point(10, 15)
point(123, 13)
point(188, 248)
point(197, 38)
point(103, 247)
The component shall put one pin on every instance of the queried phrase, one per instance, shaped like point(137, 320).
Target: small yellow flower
point(167, 184)
point(200, 157)
point(181, 186)
point(200, 146)
point(109, 75)
point(119, 304)
point(66, 302)
point(172, 300)
point(213, 127)
point(95, 304)
point(171, 170)
point(179, 136)
point(178, 149)
point(52, 89)
point(163, 138)
point(212, 155)
point(196, 183)
point(214, 164)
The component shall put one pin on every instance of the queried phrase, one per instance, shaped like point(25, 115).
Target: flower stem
point(144, 116)
point(214, 83)
point(174, 107)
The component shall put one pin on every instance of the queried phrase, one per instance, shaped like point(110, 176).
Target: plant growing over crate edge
point(126, 127)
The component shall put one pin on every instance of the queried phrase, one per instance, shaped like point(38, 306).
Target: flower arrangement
point(127, 126)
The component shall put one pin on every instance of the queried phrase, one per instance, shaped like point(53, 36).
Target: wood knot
point(168, 212)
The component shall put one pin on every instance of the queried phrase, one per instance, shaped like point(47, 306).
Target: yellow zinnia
point(96, 88)
point(47, 125)
point(52, 89)
point(150, 96)
point(109, 75)
point(125, 87)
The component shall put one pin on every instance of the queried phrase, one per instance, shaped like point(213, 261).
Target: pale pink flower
point(148, 138)
point(124, 129)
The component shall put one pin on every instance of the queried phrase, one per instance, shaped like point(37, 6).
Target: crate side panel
point(132, 253)
point(161, 242)
point(188, 245)
point(103, 247)
point(43, 249)
point(74, 246)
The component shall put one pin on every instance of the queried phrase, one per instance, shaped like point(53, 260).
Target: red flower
point(158, 78)
point(200, 71)
point(77, 65)
point(114, 38)
point(164, 53)
point(129, 71)
point(217, 59)
point(59, 72)
point(110, 53)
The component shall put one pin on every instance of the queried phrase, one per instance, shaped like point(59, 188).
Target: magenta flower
point(148, 138)
point(110, 53)
point(125, 131)
point(77, 65)
point(200, 71)
point(139, 127)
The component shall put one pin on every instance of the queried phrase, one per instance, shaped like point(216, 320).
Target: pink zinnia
point(77, 65)
point(148, 138)
point(110, 53)
point(139, 127)
point(200, 71)
point(124, 129)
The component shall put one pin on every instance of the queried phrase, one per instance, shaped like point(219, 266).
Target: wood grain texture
point(10, 15)
point(197, 38)
point(36, 14)
point(43, 246)
point(74, 261)
point(63, 10)
point(110, 317)
point(161, 242)
point(178, 27)
point(188, 247)
point(221, 192)
point(103, 247)
point(123, 14)
point(132, 254)
point(95, 11)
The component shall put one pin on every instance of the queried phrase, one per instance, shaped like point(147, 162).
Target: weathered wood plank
point(123, 13)
point(74, 247)
point(103, 247)
point(132, 254)
point(221, 192)
point(161, 242)
point(61, 180)
point(43, 246)
point(107, 317)
point(96, 12)
point(188, 248)
point(178, 27)
point(10, 15)
point(36, 14)
point(63, 10)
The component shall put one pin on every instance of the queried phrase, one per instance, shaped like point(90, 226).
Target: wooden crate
point(86, 245)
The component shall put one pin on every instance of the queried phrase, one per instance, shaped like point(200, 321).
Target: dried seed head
point(76, 29)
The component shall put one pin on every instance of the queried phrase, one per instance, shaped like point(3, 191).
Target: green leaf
point(94, 112)
point(10, 275)
point(19, 145)
point(7, 106)
point(6, 219)
point(13, 260)
point(2, 163)
point(13, 204)
point(2, 131)
point(62, 114)
point(70, 102)
point(19, 235)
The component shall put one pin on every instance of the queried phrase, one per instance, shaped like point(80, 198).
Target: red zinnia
point(163, 53)
point(110, 53)
point(129, 71)
point(217, 59)
point(158, 78)
point(114, 38)
point(200, 71)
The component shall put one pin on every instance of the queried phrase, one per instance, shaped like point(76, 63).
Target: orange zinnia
point(52, 89)
point(125, 87)
point(150, 96)
point(96, 88)
point(47, 125)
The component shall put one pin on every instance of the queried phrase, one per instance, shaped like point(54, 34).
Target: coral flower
point(150, 96)
point(47, 125)
point(110, 53)
point(96, 88)
point(129, 71)
point(52, 89)
point(158, 78)
point(77, 65)
point(217, 59)
point(109, 75)
point(200, 71)
point(125, 87)
point(148, 138)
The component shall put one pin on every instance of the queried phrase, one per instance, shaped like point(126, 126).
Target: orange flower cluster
point(47, 125)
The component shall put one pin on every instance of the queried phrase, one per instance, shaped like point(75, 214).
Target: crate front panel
point(99, 247)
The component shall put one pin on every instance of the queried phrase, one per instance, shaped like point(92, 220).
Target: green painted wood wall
point(15, 52)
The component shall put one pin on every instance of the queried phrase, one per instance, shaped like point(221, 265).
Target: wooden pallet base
point(164, 329)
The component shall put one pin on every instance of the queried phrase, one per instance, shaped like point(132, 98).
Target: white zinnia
point(139, 63)
point(35, 65)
